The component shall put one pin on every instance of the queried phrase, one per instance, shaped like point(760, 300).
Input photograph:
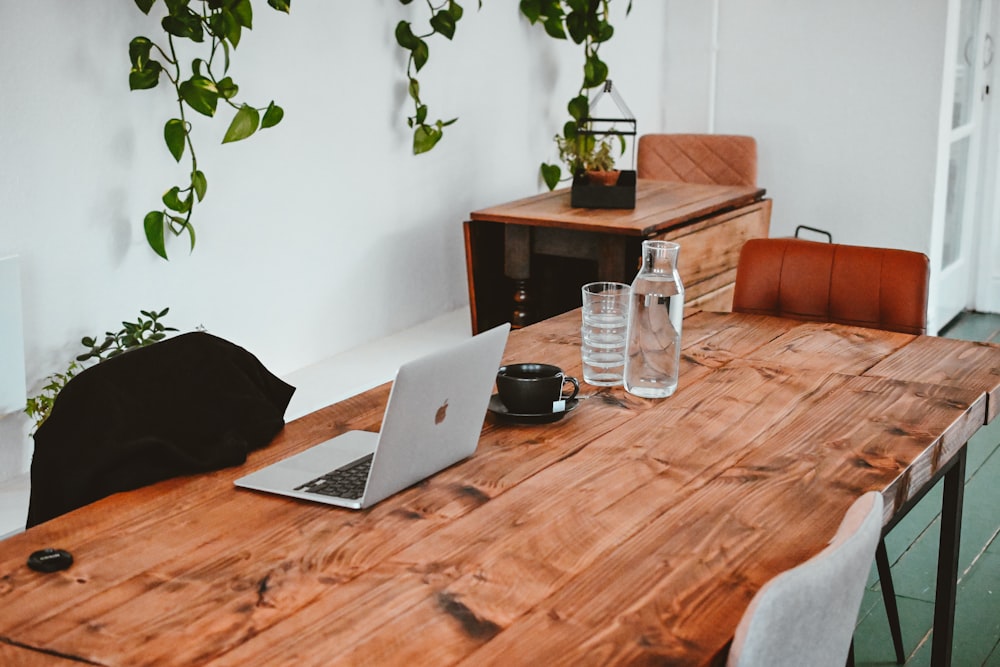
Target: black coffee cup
point(531, 389)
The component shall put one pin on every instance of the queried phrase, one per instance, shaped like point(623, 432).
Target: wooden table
point(632, 530)
point(526, 259)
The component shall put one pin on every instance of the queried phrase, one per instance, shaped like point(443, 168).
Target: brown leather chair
point(878, 288)
point(713, 159)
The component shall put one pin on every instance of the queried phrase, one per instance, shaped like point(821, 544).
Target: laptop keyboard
point(345, 482)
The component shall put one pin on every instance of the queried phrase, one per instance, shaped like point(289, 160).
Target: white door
point(953, 261)
point(987, 293)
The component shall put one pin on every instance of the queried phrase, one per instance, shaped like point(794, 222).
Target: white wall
point(316, 236)
point(843, 98)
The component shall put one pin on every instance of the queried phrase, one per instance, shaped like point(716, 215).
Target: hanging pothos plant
point(444, 18)
point(583, 21)
point(218, 25)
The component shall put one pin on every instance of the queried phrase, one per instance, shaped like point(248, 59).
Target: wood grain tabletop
point(631, 531)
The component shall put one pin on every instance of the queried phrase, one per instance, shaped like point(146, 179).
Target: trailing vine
point(444, 18)
point(583, 21)
point(208, 83)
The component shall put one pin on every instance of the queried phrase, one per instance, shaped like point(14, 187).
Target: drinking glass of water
point(605, 320)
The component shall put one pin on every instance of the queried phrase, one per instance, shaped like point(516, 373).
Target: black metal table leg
point(947, 573)
point(889, 600)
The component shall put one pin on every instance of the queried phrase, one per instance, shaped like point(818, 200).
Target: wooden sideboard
point(527, 259)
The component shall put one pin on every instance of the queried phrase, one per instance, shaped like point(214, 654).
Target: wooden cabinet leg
point(517, 267)
point(522, 310)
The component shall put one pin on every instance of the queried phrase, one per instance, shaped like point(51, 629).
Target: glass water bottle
point(653, 349)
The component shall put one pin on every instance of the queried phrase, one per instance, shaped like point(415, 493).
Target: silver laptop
point(433, 419)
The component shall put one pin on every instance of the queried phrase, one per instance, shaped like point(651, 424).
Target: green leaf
point(200, 185)
point(444, 24)
point(145, 72)
point(272, 116)
point(244, 124)
point(175, 135)
point(144, 5)
point(234, 32)
point(421, 115)
point(576, 24)
point(554, 28)
point(424, 139)
point(405, 37)
point(456, 10)
point(532, 9)
point(226, 27)
point(605, 31)
point(173, 201)
point(281, 5)
point(200, 94)
point(551, 173)
point(185, 23)
point(145, 78)
point(420, 54)
point(579, 107)
point(595, 72)
point(153, 225)
point(138, 51)
point(227, 88)
point(243, 12)
point(190, 231)
point(225, 53)
point(414, 89)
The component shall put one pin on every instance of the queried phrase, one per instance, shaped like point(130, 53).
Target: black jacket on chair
point(189, 404)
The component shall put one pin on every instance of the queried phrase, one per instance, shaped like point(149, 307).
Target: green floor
point(912, 547)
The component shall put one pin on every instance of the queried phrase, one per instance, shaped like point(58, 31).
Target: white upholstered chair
point(806, 615)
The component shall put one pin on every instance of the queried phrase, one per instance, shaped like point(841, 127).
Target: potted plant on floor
point(148, 329)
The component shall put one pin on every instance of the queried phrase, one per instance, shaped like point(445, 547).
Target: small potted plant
point(591, 162)
point(585, 154)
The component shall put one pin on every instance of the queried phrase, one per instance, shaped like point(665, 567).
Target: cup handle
point(576, 387)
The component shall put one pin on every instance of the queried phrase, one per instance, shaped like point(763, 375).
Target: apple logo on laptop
point(440, 414)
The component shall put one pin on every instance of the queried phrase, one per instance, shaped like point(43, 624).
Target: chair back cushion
point(806, 615)
point(878, 288)
point(714, 159)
